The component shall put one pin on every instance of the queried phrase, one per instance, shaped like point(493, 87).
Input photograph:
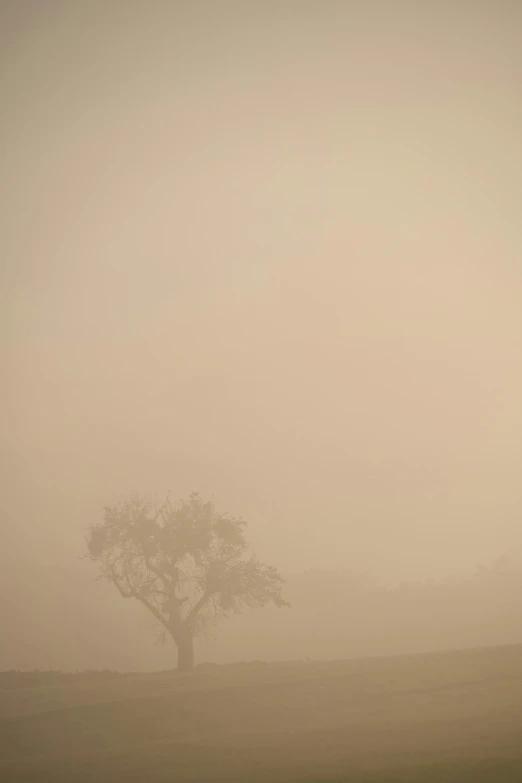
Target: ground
point(453, 716)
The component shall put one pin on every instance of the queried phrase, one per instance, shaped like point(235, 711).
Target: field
point(453, 716)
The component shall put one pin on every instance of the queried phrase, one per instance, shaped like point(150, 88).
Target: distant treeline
point(69, 622)
point(344, 614)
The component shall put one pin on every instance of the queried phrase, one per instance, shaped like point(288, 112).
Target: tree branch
point(152, 609)
point(133, 593)
point(159, 573)
point(195, 609)
point(121, 590)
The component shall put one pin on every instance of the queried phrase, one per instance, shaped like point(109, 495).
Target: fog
point(270, 252)
point(261, 301)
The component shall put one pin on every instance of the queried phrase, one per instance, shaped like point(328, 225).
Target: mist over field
point(261, 263)
point(333, 615)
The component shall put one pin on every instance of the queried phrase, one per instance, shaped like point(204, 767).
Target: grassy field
point(453, 716)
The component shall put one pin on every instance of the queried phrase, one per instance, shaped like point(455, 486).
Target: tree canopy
point(186, 563)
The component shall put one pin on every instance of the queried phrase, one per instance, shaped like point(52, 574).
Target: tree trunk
point(185, 653)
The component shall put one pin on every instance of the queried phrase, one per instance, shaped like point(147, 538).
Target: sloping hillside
point(453, 716)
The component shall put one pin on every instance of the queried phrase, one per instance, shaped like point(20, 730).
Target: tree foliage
point(186, 563)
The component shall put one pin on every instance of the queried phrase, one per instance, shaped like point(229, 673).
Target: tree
point(186, 563)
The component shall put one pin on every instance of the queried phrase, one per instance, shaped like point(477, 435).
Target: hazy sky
point(271, 251)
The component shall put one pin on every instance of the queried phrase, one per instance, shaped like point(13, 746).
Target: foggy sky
point(271, 252)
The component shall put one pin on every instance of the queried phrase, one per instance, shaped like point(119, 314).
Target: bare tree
point(187, 564)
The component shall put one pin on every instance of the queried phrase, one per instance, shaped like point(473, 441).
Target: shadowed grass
point(442, 717)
